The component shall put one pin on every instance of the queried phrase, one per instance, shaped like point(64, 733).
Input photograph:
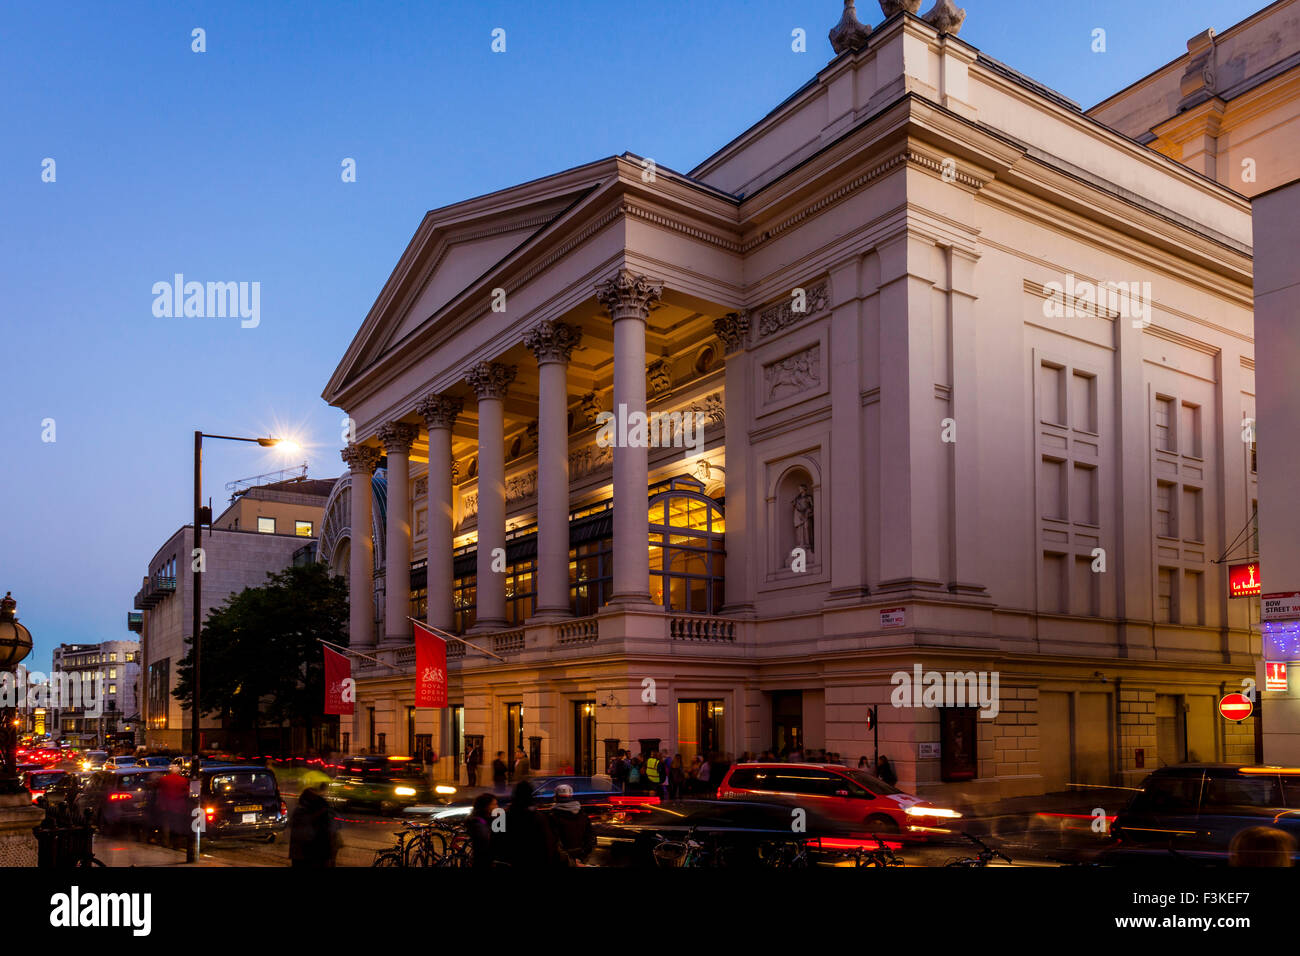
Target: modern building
point(971, 367)
point(259, 533)
point(107, 704)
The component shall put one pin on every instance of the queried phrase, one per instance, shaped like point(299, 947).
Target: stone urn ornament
point(890, 7)
point(946, 17)
point(850, 33)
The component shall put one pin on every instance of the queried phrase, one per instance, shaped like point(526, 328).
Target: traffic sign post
point(1236, 707)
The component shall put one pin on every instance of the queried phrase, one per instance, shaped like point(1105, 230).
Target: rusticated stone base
point(17, 817)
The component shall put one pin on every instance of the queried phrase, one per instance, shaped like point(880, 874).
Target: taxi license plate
point(249, 818)
point(253, 809)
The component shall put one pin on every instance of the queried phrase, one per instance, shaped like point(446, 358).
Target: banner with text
point(430, 668)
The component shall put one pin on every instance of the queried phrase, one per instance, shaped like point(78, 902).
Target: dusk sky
point(225, 166)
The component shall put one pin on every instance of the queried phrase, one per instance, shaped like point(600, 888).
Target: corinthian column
point(552, 343)
point(361, 461)
point(439, 413)
point(628, 299)
point(490, 380)
point(397, 438)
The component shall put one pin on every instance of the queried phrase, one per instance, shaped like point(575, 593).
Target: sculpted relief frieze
point(793, 374)
point(777, 317)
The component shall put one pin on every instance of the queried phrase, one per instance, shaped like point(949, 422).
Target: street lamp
point(15, 644)
point(191, 847)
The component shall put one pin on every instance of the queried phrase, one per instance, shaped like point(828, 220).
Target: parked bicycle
point(882, 855)
point(983, 858)
point(687, 852)
point(418, 844)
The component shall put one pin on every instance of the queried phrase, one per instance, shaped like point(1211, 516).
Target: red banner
point(340, 691)
point(430, 668)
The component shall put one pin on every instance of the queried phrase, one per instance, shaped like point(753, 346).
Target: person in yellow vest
point(654, 772)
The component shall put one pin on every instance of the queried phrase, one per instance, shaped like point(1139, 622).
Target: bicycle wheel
point(389, 858)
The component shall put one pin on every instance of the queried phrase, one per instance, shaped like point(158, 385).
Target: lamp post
point(196, 567)
point(15, 644)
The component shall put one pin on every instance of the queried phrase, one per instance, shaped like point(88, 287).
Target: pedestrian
point(676, 778)
point(472, 760)
point(482, 839)
point(1261, 846)
point(702, 777)
point(635, 775)
point(313, 832)
point(864, 763)
point(618, 770)
point(522, 768)
point(529, 838)
point(171, 808)
point(574, 838)
point(499, 772)
point(693, 777)
point(654, 772)
point(566, 768)
point(885, 771)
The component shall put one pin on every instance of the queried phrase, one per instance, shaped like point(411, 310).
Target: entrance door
point(514, 731)
point(787, 721)
point(1171, 730)
point(700, 728)
point(584, 737)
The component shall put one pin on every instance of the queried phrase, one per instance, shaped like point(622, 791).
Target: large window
point(687, 553)
point(266, 525)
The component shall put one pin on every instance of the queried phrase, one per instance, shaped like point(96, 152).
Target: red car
point(852, 797)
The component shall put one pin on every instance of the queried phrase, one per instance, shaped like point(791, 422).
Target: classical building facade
point(114, 667)
point(925, 440)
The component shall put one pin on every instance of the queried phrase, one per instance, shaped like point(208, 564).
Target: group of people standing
point(529, 835)
point(668, 775)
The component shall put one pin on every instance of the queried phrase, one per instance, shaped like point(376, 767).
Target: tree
point(262, 660)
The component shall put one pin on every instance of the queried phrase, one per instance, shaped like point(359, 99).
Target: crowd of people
point(532, 836)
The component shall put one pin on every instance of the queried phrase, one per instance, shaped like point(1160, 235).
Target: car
point(595, 794)
point(387, 784)
point(93, 759)
point(163, 763)
point(1191, 812)
point(118, 762)
point(39, 781)
point(852, 797)
point(241, 801)
point(117, 798)
point(749, 833)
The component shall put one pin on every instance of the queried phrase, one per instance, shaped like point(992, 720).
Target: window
point(112, 671)
point(421, 522)
point(1052, 487)
point(1241, 794)
point(591, 576)
point(1165, 596)
point(1189, 429)
point(1191, 523)
point(1051, 393)
point(1164, 424)
point(1193, 595)
point(1084, 587)
point(112, 688)
point(265, 525)
point(113, 657)
point(1169, 795)
point(301, 528)
point(1254, 527)
point(1164, 509)
point(1083, 496)
point(1053, 584)
point(687, 553)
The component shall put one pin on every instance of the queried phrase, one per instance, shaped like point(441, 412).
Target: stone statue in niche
point(802, 509)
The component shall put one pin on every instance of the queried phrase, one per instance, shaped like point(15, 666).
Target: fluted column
point(552, 343)
point(629, 298)
point(397, 438)
point(490, 380)
point(361, 461)
point(439, 413)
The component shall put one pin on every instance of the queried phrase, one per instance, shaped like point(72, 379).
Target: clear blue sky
point(225, 165)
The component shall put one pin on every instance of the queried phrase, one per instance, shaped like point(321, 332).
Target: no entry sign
point(1236, 707)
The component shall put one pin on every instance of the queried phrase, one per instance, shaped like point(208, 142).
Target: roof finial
point(946, 17)
point(850, 33)
point(890, 7)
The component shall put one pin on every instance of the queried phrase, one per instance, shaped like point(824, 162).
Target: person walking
point(313, 832)
point(885, 771)
point(702, 776)
point(676, 778)
point(482, 841)
point(574, 838)
point(618, 769)
point(522, 768)
point(499, 771)
point(472, 760)
point(635, 775)
point(654, 772)
point(529, 838)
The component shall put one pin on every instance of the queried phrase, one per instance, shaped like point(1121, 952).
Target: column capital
point(491, 379)
point(733, 329)
point(440, 411)
point(397, 437)
point(552, 341)
point(629, 296)
point(360, 459)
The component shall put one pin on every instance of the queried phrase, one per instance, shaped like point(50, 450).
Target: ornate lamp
point(15, 645)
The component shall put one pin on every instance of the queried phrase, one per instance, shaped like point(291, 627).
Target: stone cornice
point(360, 459)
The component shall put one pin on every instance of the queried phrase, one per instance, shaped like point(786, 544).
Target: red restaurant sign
point(1243, 580)
point(1275, 675)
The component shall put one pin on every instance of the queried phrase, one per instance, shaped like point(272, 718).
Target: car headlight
point(933, 812)
point(443, 788)
point(404, 791)
point(452, 813)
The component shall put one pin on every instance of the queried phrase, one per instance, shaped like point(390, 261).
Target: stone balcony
point(610, 633)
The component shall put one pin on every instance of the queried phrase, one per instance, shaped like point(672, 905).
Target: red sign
point(1236, 707)
point(1243, 580)
point(1274, 675)
point(339, 689)
point(430, 668)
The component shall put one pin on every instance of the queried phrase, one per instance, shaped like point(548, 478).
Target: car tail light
point(284, 809)
point(37, 794)
point(118, 797)
point(631, 801)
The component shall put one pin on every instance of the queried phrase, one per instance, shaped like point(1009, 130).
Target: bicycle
point(418, 845)
point(985, 855)
point(784, 854)
point(881, 856)
point(687, 852)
